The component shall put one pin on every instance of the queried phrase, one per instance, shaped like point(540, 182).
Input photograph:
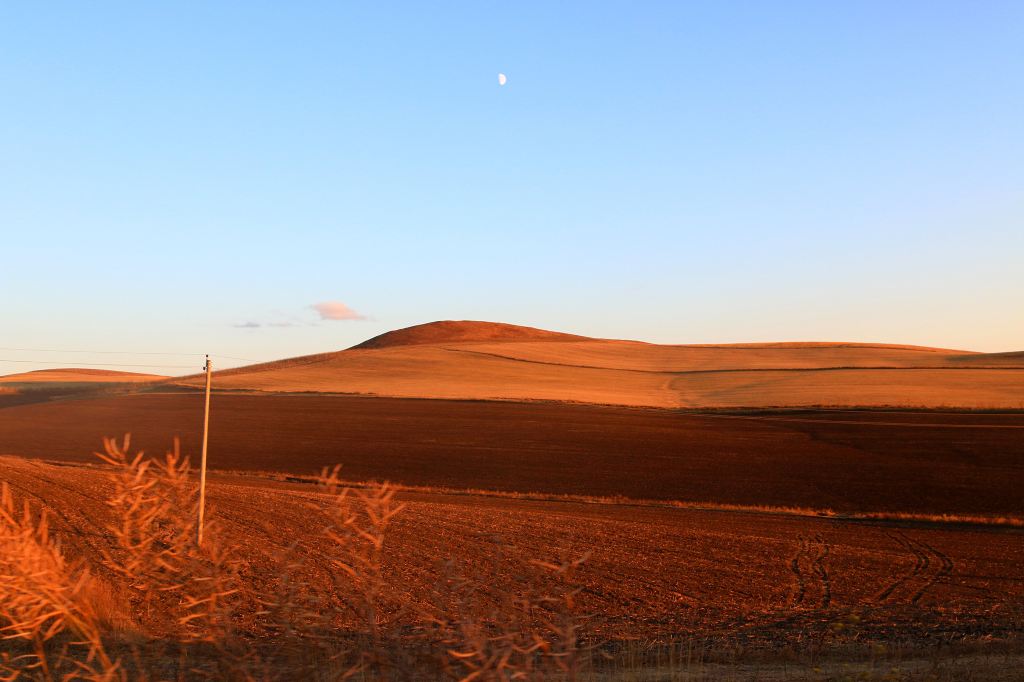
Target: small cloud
point(328, 310)
point(336, 310)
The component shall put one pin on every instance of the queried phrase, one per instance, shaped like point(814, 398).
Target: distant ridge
point(790, 345)
point(474, 360)
point(79, 374)
point(462, 331)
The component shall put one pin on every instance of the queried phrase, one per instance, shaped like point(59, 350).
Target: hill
point(463, 331)
point(77, 375)
point(492, 361)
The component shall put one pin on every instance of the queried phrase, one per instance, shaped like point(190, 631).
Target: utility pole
point(202, 466)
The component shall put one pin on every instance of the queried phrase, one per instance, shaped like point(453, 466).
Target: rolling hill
point(492, 361)
point(47, 384)
point(77, 375)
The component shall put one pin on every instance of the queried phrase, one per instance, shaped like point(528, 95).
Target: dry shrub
point(197, 588)
point(314, 628)
point(187, 600)
point(357, 525)
point(155, 549)
point(45, 605)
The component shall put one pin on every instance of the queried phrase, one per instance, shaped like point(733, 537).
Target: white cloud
point(336, 310)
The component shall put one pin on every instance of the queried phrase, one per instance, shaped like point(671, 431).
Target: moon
point(502, 79)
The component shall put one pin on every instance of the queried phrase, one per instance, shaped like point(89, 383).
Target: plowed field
point(926, 462)
point(652, 572)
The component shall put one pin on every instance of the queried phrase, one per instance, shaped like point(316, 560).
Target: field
point(650, 566)
point(764, 543)
point(488, 361)
point(846, 461)
point(471, 360)
point(753, 587)
point(701, 530)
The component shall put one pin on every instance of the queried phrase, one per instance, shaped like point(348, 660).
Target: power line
point(115, 352)
point(97, 364)
point(228, 357)
point(75, 363)
point(105, 352)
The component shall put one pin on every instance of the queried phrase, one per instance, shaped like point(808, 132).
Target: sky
point(263, 180)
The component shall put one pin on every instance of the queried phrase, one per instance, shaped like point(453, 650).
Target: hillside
point(490, 361)
point(77, 375)
point(463, 331)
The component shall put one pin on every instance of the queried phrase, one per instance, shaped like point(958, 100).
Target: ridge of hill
point(79, 375)
point(462, 331)
point(471, 360)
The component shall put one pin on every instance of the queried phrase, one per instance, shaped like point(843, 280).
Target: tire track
point(813, 554)
point(946, 567)
point(924, 574)
point(801, 582)
point(821, 570)
point(920, 564)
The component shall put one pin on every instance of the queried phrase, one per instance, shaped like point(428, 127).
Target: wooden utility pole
point(202, 465)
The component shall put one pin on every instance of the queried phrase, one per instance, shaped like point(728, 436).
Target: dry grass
point(75, 375)
point(194, 611)
point(476, 363)
point(48, 605)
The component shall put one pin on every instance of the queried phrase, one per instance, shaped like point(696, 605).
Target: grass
point(44, 596)
point(187, 611)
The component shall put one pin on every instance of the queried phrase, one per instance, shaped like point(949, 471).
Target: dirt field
point(774, 594)
point(759, 579)
point(847, 461)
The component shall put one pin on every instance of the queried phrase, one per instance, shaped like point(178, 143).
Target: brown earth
point(850, 461)
point(490, 361)
point(752, 579)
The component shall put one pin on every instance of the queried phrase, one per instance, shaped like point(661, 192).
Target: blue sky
point(193, 177)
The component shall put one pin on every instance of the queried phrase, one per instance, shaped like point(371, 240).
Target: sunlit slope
point(448, 372)
point(633, 355)
point(530, 366)
point(78, 375)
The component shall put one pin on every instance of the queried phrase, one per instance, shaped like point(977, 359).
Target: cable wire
point(96, 364)
point(75, 363)
point(228, 357)
point(105, 352)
